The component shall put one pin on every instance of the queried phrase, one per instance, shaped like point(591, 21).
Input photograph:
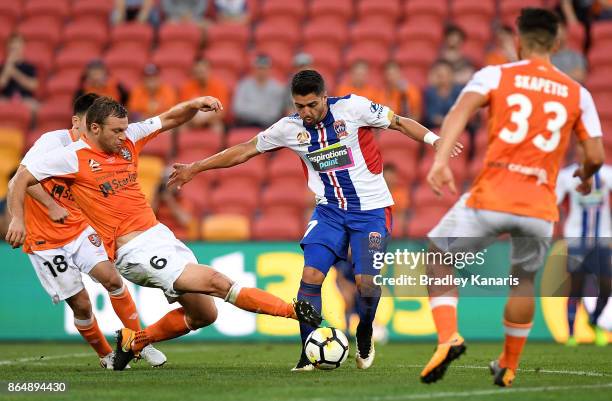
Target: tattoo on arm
point(397, 120)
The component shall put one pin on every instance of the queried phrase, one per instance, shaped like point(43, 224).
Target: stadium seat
point(322, 32)
point(373, 33)
point(10, 11)
point(423, 220)
point(56, 9)
point(85, 34)
point(150, 173)
point(240, 135)
point(337, 11)
point(283, 8)
point(126, 64)
point(197, 192)
point(9, 161)
point(510, 9)
point(226, 58)
point(423, 196)
point(226, 227)
point(92, 10)
point(600, 57)
point(41, 55)
point(415, 75)
point(483, 9)
point(599, 82)
point(382, 10)
point(390, 140)
point(457, 164)
point(175, 63)
point(52, 116)
point(476, 29)
point(228, 35)
point(207, 141)
point(14, 114)
point(277, 227)
point(325, 56)
point(277, 32)
point(183, 33)
point(73, 60)
point(415, 56)
point(406, 166)
point(281, 198)
point(229, 197)
point(280, 55)
point(160, 146)
point(132, 35)
point(420, 33)
point(287, 167)
point(434, 10)
point(602, 32)
point(62, 86)
point(12, 138)
point(371, 53)
point(475, 52)
point(575, 37)
point(249, 173)
point(40, 29)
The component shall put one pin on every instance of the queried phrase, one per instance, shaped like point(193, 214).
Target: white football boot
point(153, 356)
point(364, 363)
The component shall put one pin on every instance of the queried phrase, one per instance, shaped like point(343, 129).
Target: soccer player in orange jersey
point(534, 109)
point(101, 171)
point(61, 244)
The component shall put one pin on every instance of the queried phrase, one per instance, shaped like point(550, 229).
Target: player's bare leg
point(367, 303)
point(518, 318)
point(85, 322)
point(443, 303)
point(124, 306)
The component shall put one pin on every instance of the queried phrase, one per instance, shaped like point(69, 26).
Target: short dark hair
point(538, 27)
point(83, 103)
point(306, 82)
point(102, 108)
point(452, 28)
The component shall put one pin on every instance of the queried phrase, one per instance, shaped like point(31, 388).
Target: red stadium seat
point(423, 220)
point(132, 35)
point(92, 10)
point(435, 10)
point(53, 116)
point(416, 56)
point(599, 82)
point(240, 135)
point(321, 32)
point(285, 166)
point(390, 140)
point(340, 10)
point(85, 34)
point(484, 9)
point(277, 227)
point(457, 164)
point(476, 29)
point(368, 33)
point(475, 52)
point(325, 57)
point(420, 32)
point(41, 55)
point(602, 32)
point(56, 9)
point(424, 196)
point(238, 198)
point(198, 192)
point(382, 10)
point(405, 165)
point(374, 55)
point(160, 146)
point(283, 8)
point(575, 37)
point(62, 86)
point(183, 33)
point(10, 12)
point(600, 57)
point(126, 64)
point(510, 9)
point(174, 56)
point(15, 114)
point(75, 59)
point(251, 172)
point(207, 141)
point(280, 55)
point(415, 75)
point(226, 58)
point(292, 199)
point(228, 34)
point(40, 29)
point(276, 32)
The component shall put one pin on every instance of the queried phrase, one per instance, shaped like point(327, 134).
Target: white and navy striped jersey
point(589, 215)
point(339, 154)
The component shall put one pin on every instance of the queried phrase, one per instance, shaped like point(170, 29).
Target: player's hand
point(207, 103)
point(181, 175)
point(440, 175)
point(16, 233)
point(586, 184)
point(457, 149)
point(57, 213)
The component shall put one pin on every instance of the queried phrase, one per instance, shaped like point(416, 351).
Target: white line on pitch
point(547, 371)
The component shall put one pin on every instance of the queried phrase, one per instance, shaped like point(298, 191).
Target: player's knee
point(114, 283)
point(80, 305)
point(220, 284)
point(312, 276)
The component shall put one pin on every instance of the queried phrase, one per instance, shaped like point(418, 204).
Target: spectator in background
point(452, 45)
point(17, 76)
point(202, 84)
point(578, 12)
point(95, 79)
point(603, 10)
point(567, 60)
point(402, 97)
point(399, 190)
point(143, 11)
point(181, 11)
point(358, 83)
point(231, 11)
point(505, 48)
point(151, 97)
point(259, 98)
point(440, 94)
point(301, 61)
point(176, 212)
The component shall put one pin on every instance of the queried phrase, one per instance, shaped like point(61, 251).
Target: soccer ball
point(326, 348)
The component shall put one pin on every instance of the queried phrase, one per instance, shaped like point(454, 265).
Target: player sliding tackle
point(534, 109)
point(101, 170)
point(334, 139)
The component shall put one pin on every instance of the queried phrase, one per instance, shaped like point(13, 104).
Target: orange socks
point(516, 337)
point(444, 311)
point(90, 331)
point(259, 301)
point(170, 326)
point(125, 308)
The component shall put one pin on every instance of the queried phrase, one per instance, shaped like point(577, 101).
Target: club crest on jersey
point(126, 154)
point(340, 128)
point(303, 137)
point(94, 166)
point(375, 241)
point(95, 240)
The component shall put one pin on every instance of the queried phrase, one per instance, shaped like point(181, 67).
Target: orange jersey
point(105, 186)
point(42, 233)
point(534, 108)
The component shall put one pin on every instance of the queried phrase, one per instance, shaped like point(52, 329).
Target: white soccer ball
point(326, 348)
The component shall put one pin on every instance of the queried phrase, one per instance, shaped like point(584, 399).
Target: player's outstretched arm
point(237, 154)
point(15, 199)
point(416, 131)
point(185, 111)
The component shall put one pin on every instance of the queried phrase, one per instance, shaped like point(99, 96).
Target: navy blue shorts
point(367, 232)
point(593, 260)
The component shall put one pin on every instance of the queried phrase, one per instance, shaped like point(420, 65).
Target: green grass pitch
point(238, 371)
